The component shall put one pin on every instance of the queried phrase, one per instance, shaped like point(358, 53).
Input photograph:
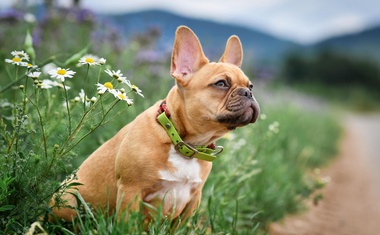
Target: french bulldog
point(166, 161)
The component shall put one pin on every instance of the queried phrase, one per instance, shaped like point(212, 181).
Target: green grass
point(264, 174)
point(269, 176)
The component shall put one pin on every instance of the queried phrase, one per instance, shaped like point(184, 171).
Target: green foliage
point(264, 166)
point(42, 121)
point(332, 69)
point(346, 79)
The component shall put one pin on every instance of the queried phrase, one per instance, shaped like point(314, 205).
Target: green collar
point(185, 149)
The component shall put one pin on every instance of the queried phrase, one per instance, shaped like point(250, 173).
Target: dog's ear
point(187, 56)
point(233, 53)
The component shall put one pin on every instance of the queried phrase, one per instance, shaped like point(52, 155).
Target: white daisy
point(102, 88)
point(60, 73)
point(93, 99)
point(50, 66)
point(117, 75)
point(90, 60)
point(34, 75)
point(77, 99)
point(60, 85)
point(137, 90)
point(125, 81)
point(47, 84)
point(102, 61)
point(17, 61)
point(20, 54)
point(122, 96)
point(84, 99)
point(30, 66)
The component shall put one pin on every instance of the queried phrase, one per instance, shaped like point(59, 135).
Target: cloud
point(305, 21)
point(347, 22)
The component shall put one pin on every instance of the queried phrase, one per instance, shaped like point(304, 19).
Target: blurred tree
point(296, 68)
point(336, 69)
point(332, 69)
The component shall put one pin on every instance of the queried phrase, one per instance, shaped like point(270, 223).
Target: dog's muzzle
point(241, 109)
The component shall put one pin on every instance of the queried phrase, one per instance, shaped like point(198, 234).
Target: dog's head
point(216, 94)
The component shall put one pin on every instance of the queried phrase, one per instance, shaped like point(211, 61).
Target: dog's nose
point(245, 92)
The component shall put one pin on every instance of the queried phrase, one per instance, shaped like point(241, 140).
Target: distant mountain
point(261, 47)
point(365, 43)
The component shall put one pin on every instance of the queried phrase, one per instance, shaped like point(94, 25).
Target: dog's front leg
point(128, 200)
point(190, 208)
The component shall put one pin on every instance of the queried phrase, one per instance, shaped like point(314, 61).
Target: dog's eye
point(221, 83)
point(250, 87)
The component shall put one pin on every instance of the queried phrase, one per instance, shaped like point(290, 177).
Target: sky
point(302, 21)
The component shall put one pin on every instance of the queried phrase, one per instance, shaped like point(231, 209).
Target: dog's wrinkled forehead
point(229, 72)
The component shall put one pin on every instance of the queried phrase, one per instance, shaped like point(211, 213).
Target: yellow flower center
point(61, 72)
point(16, 59)
point(89, 60)
point(121, 96)
point(29, 65)
point(108, 85)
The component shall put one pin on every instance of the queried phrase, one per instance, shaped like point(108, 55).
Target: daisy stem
point(67, 106)
point(48, 105)
point(41, 124)
point(16, 72)
point(86, 88)
point(24, 101)
point(15, 120)
point(109, 107)
point(100, 70)
point(72, 134)
point(91, 130)
point(101, 102)
point(116, 115)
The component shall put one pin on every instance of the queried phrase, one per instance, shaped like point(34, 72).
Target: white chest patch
point(178, 182)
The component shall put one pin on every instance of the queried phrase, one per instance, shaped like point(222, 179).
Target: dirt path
point(351, 204)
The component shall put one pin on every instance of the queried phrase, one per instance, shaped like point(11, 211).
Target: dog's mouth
point(240, 113)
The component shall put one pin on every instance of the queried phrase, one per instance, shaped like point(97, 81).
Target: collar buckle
point(186, 150)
